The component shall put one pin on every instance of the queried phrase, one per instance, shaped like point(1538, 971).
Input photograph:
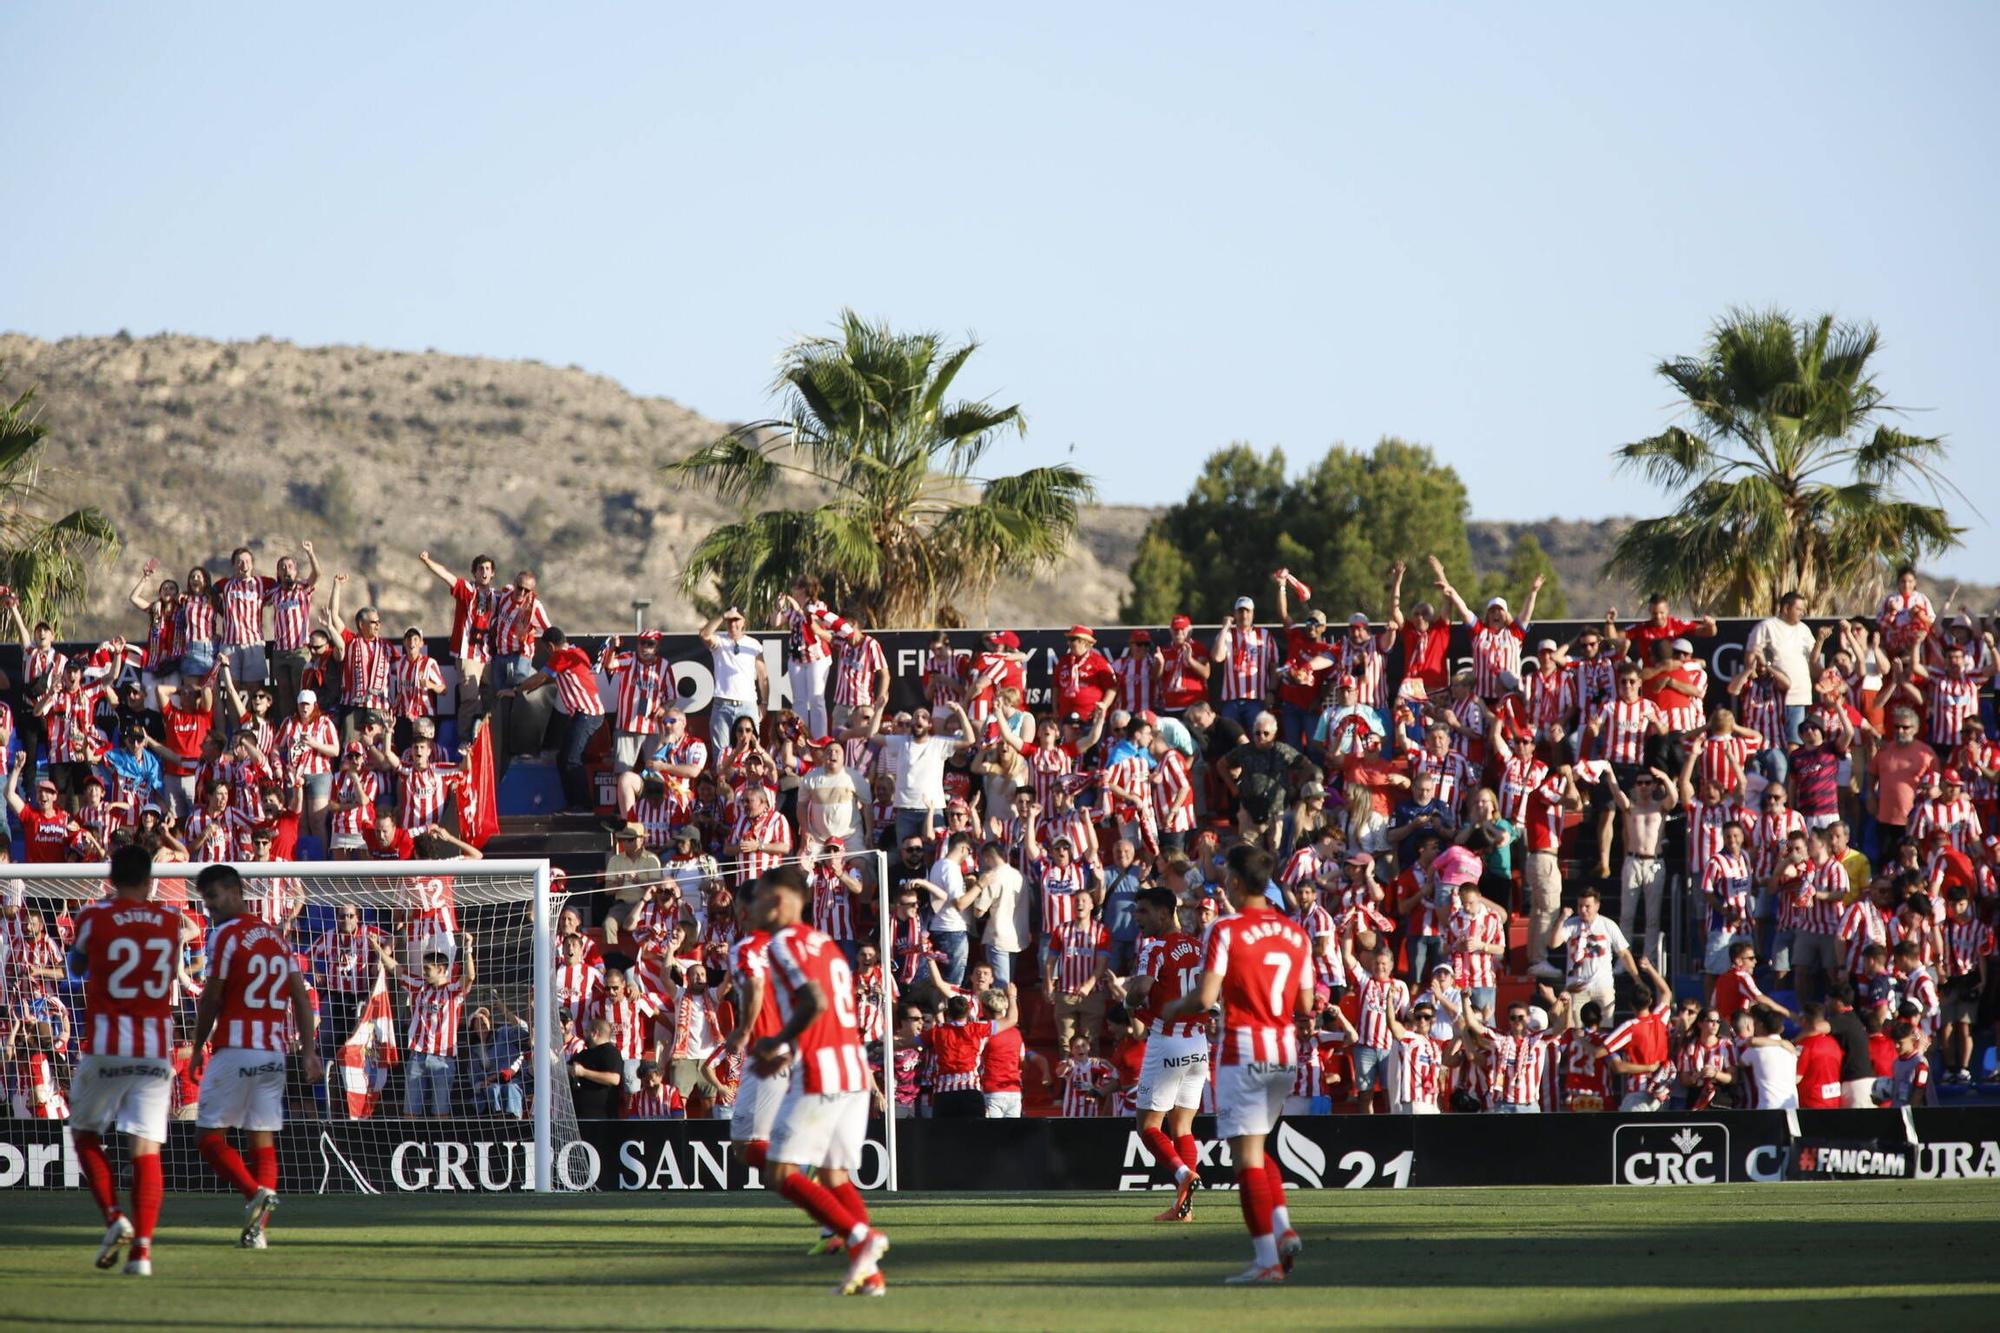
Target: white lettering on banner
point(1670, 1154)
point(1958, 1161)
point(695, 684)
point(1766, 1162)
point(566, 1170)
point(419, 1179)
point(451, 1167)
point(27, 1166)
point(1298, 1153)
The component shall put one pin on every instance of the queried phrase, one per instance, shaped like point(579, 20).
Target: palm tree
point(45, 561)
point(897, 519)
point(1788, 477)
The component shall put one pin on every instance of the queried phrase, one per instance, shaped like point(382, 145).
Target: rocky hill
point(193, 447)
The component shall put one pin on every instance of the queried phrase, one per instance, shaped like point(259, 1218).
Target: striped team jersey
point(252, 964)
point(344, 963)
point(1949, 701)
point(1454, 775)
point(1318, 924)
point(291, 616)
point(832, 904)
point(1705, 823)
point(1304, 866)
point(1516, 1067)
point(1462, 929)
point(163, 635)
point(1521, 774)
point(197, 617)
point(1621, 739)
point(1761, 705)
point(1722, 759)
point(577, 987)
point(1420, 1069)
point(1494, 651)
point(1684, 712)
point(1059, 886)
point(643, 688)
point(422, 794)
point(750, 960)
point(809, 626)
point(1080, 947)
point(414, 679)
point(213, 837)
point(1083, 1081)
point(662, 1103)
point(296, 754)
point(73, 737)
point(1468, 738)
point(1171, 960)
point(630, 1016)
point(576, 682)
point(1382, 998)
point(432, 906)
point(1767, 839)
point(360, 787)
point(660, 815)
point(472, 611)
point(770, 827)
point(1248, 657)
point(1863, 924)
point(830, 1058)
point(1551, 697)
point(243, 602)
point(1704, 1062)
point(131, 953)
point(1138, 682)
point(1047, 767)
point(364, 671)
point(1316, 1056)
point(1956, 818)
point(857, 660)
point(1369, 665)
point(1264, 961)
point(1966, 941)
point(1173, 793)
point(958, 1048)
point(434, 1014)
point(1820, 898)
point(518, 620)
point(1725, 884)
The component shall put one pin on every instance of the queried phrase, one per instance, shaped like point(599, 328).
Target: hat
point(151, 808)
point(1509, 681)
point(1348, 683)
point(1357, 859)
point(1952, 777)
point(649, 636)
point(632, 828)
point(308, 696)
point(1311, 791)
point(1683, 646)
point(822, 742)
point(356, 747)
point(1445, 968)
point(1148, 716)
point(92, 780)
point(1961, 621)
point(1315, 616)
point(1547, 646)
point(1500, 602)
point(45, 785)
point(1081, 632)
point(1076, 718)
point(1142, 636)
point(1358, 618)
point(1243, 604)
point(1180, 622)
point(686, 833)
point(1456, 865)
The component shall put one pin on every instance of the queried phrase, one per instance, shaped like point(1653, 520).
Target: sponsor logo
point(1670, 1154)
point(1828, 1159)
point(1958, 1161)
point(1180, 1061)
point(1302, 1157)
point(37, 1166)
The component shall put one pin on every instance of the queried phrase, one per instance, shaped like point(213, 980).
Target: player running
point(1258, 965)
point(758, 1096)
point(251, 984)
point(128, 949)
point(824, 1115)
point(1175, 1072)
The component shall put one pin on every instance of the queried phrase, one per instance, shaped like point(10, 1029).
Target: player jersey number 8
point(842, 998)
point(125, 958)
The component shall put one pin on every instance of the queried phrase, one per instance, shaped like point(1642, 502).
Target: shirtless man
point(1644, 873)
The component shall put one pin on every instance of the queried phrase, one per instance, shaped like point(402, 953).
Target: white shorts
point(1174, 1073)
point(1003, 1105)
point(125, 1093)
point(757, 1101)
point(820, 1129)
point(243, 1090)
point(1249, 1098)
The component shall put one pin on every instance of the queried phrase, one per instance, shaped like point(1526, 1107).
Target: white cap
point(308, 696)
point(1538, 1019)
point(1683, 646)
point(1245, 604)
point(1500, 602)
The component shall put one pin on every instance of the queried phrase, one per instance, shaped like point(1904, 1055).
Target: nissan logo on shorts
point(1674, 1153)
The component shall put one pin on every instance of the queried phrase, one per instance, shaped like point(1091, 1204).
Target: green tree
point(45, 557)
point(1338, 528)
point(1786, 475)
point(900, 521)
point(1525, 561)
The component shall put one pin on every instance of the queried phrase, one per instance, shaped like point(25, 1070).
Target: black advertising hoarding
point(1314, 1152)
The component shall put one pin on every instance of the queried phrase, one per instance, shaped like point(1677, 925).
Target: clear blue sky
point(1173, 226)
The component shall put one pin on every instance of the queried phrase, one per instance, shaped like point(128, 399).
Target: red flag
point(479, 805)
point(366, 1056)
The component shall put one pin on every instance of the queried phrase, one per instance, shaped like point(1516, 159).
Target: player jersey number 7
point(1264, 961)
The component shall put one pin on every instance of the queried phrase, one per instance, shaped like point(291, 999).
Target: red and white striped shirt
point(1818, 914)
point(1864, 924)
point(1081, 947)
point(1684, 712)
point(1950, 701)
point(1494, 651)
point(197, 616)
point(1966, 941)
point(1723, 759)
point(1704, 1062)
point(296, 754)
point(1059, 886)
point(1464, 929)
point(1767, 838)
point(1521, 774)
point(518, 620)
point(131, 956)
point(252, 964)
point(1369, 665)
point(1452, 772)
point(770, 827)
point(830, 1056)
point(363, 786)
point(1622, 737)
point(1551, 696)
point(1138, 682)
point(291, 616)
point(345, 962)
point(471, 618)
point(856, 662)
point(662, 1103)
point(832, 904)
point(435, 1012)
point(1318, 924)
point(364, 671)
point(1725, 884)
point(243, 602)
point(630, 1016)
point(433, 907)
point(1705, 823)
point(1249, 656)
point(1173, 793)
point(223, 837)
point(1956, 818)
point(1420, 1069)
point(73, 737)
point(643, 688)
point(576, 682)
point(1047, 766)
point(577, 987)
point(1517, 1067)
point(1382, 998)
point(1761, 705)
point(1081, 1080)
point(414, 679)
point(422, 794)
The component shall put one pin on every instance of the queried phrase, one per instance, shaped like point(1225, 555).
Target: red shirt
point(131, 955)
point(1425, 654)
point(253, 965)
point(1819, 1072)
point(47, 836)
point(402, 847)
point(1641, 637)
point(1301, 646)
point(1000, 1065)
point(1264, 960)
point(1081, 682)
point(1180, 687)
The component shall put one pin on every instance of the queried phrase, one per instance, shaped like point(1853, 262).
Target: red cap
point(1142, 636)
point(1349, 683)
point(649, 636)
point(1007, 638)
point(1149, 717)
point(1952, 776)
point(1180, 622)
point(822, 742)
point(1080, 632)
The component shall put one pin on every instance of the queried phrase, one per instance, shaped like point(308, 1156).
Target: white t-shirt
point(736, 668)
point(1006, 908)
point(1789, 649)
point(1774, 1074)
point(1591, 951)
point(919, 769)
point(826, 804)
point(947, 876)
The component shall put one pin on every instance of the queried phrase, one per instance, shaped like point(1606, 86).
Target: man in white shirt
point(1789, 644)
point(916, 760)
point(1589, 943)
point(944, 882)
point(742, 682)
point(1005, 907)
point(1773, 1064)
point(830, 806)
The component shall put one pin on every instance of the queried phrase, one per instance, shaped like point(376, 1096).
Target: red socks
point(228, 1163)
point(1276, 1179)
point(264, 1165)
point(97, 1174)
point(145, 1199)
point(754, 1151)
point(850, 1199)
point(1162, 1148)
point(1190, 1153)
point(1253, 1191)
point(818, 1202)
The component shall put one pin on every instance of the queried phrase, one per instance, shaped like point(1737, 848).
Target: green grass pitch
point(1819, 1256)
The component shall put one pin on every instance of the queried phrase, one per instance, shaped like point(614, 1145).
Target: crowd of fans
point(1809, 857)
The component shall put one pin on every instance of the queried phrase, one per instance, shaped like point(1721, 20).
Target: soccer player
point(1176, 1062)
point(251, 982)
point(824, 1115)
point(1258, 966)
point(128, 949)
point(759, 1095)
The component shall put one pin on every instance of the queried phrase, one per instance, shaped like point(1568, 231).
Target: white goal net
point(445, 1062)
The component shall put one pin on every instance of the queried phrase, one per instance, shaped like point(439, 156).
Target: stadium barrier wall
point(385, 1156)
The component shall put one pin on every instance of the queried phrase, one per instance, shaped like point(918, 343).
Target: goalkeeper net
point(445, 1065)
